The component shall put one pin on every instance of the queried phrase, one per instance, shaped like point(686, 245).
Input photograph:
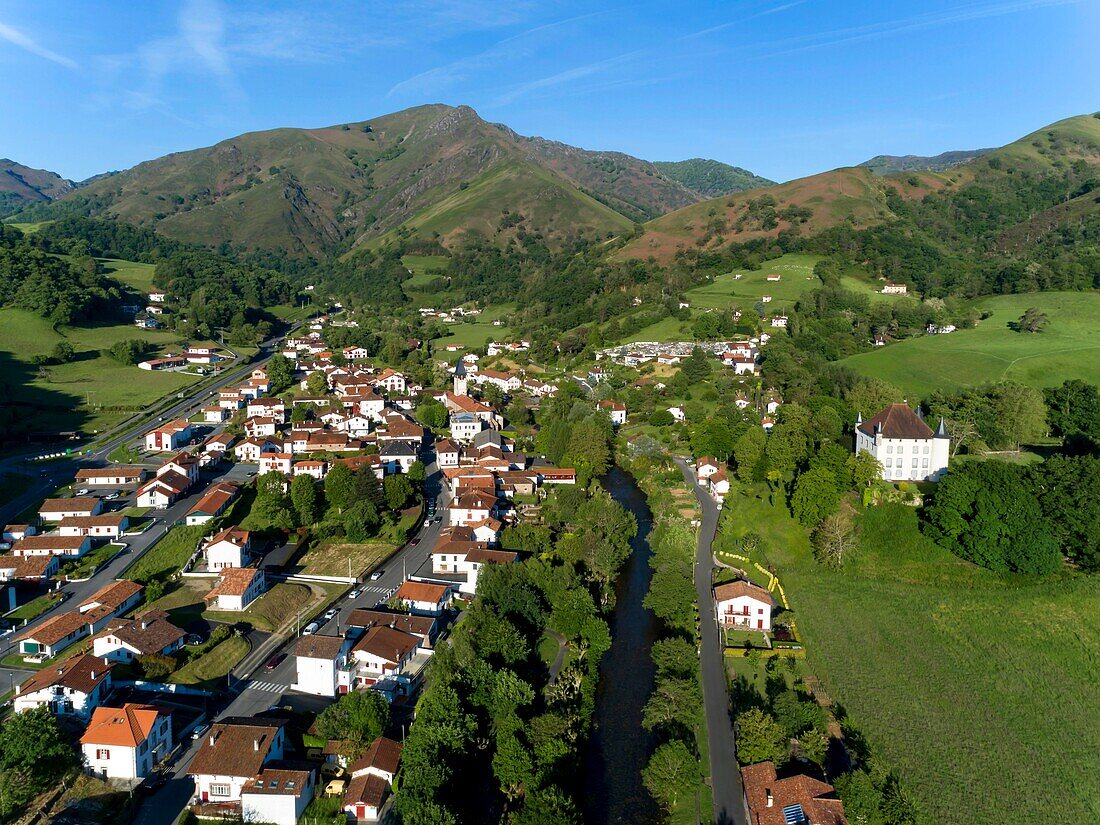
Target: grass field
point(419, 266)
point(1068, 348)
point(796, 272)
point(210, 669)
point(76, 395)
point(136, 275)
point(332, 559)
point(166, 556)
point(959, 677)
point(474, 333)
point(271, 611)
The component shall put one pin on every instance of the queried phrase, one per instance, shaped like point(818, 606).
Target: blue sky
point(782, 87)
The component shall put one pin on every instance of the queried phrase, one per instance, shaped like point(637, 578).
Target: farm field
point(1068, 348)
point(419, 266)
point(59, 396)
point(955, 674)
point(796, 271)
point(474, 333)
point(136, 275)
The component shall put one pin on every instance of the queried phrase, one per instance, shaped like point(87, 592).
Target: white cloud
point(17, 38)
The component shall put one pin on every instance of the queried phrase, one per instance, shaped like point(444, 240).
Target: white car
point(311, 628)
point(354, 594)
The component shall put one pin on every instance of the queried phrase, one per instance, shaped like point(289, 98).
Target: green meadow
point(76, 395)
point(960, 678)
point(474, 334)
point(1068, 348)
point(136, 275)
point(744, 287)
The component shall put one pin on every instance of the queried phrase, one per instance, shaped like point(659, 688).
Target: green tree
point(661, 418)
point(1019, 413)
point(1068, 491)
point(984, 512)
point(63, 353)
point(816, 495)
point(340, 487)
point(517, 413)
point(671, 774)
point(512, 764)
point(712, 437)
point(862, 800)
point(865, 469)
point(673, 706)
point(696, 367)
point(676, 657)
point(748, 452)
point(398, 490)
point(760, 739)
point(417, 472)
point(280, 372)
point(317, 383)
point(357, 719)
point(303, 495)
point(1073, 409)
point(814, 745)
point(431, 414)
point(33, 746)
point(1033, 320)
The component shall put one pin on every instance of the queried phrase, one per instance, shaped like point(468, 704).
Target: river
point(619, 746)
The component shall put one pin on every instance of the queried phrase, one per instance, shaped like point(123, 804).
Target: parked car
point(111, 496)
point(199, 730)
point(414, 542)
point(193, 639)
point(377, 574)
point(331, 614)
point(83, 491)
point(274, 661)
point(355, 594)
point(311, 628)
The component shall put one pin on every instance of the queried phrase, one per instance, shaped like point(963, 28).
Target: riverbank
point(677, 771)
point(619, 745)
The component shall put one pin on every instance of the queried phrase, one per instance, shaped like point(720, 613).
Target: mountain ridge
point(324, 190)
point(23, 185)
point(885, 164)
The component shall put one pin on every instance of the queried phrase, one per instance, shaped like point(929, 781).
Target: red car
point(275, 661)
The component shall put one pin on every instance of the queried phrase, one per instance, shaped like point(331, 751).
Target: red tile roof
point(816, 798)
point(127, 726)
point(736, 589)
point(80, 673)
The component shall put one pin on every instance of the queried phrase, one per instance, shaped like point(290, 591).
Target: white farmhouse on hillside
point(904, 444)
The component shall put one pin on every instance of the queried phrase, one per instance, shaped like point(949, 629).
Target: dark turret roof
point(460, 369)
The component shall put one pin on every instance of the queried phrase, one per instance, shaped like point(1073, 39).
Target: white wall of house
point(276, 809)
point(316, 676)
point(745, 611)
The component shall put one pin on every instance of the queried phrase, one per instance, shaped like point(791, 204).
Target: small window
point(219, 789)
point(926, 449)
point(888, 463)
point(102, 753)
point(924, 463)
point(914, 463)
point(890, 448)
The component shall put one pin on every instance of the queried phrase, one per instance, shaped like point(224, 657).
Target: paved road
point(729, 804)
point(53, 474)
point(255, 689)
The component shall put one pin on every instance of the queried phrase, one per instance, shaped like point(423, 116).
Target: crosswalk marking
point(268, 687)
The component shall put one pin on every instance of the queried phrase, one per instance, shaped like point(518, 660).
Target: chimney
point(144, 624)
point(771, 801)
point(255, 744)
point(93, 674)
point(213, 739)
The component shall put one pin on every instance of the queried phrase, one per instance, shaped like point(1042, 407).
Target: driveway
point(725, 777)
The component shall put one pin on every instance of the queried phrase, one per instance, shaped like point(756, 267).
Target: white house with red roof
point(743, 604)
point(126, 742)
point(170, 436)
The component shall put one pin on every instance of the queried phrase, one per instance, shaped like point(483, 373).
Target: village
point(108, 661)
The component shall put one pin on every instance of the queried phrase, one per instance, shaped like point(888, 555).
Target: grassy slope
point(959, 677)
point(833, 196)
point(312, 190)
point(139, 276)
point(1069, 348)
point(61, 396)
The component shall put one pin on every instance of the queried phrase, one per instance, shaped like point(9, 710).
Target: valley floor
point(979, 689)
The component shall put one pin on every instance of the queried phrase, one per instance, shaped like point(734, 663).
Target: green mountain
point(21, 186)
point(1039, 191)
point(885, 164)
point(711, 178)
point(433, 171)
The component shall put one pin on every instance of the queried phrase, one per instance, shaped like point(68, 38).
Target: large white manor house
point(904, 444)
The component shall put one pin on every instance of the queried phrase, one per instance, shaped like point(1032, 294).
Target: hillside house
point(318, 660)
point(794, 800)
point(232, 547)
point(236, 589)
point(424, 598)
point(123, 640)
point(890, 288)
point(56, 509)
point(279, 794)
